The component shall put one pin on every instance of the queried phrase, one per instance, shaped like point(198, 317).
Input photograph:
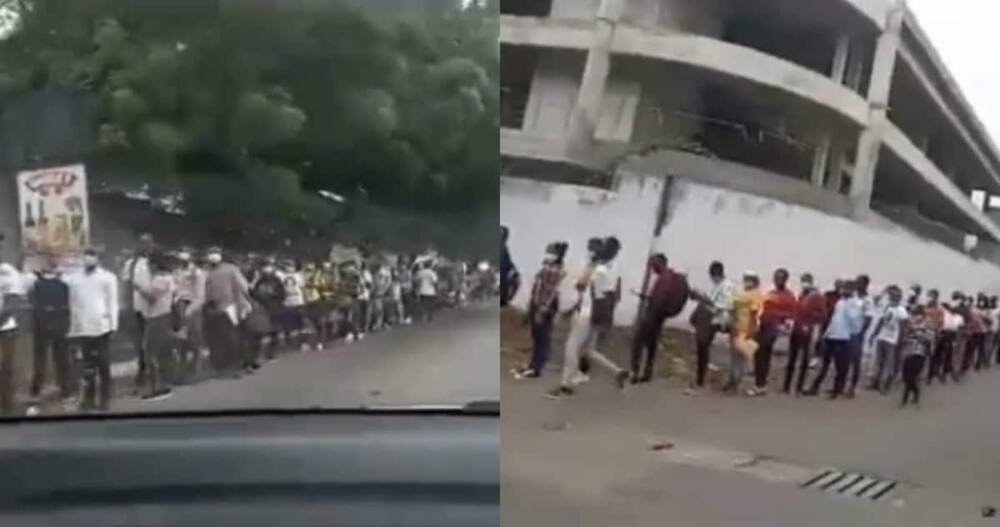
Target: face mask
point(214, 258)
point(269, 270)
point(90, 261)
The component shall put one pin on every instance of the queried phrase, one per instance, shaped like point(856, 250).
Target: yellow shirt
point(746, 309)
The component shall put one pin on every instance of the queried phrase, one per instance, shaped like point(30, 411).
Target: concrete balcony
point(961, 206)
point(558, 33)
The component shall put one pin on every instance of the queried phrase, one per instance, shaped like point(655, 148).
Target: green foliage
point(249, 107)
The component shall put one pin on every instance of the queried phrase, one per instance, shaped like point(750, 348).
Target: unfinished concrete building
point(820, 135)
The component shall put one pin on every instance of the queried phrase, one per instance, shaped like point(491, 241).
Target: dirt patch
point(675, 360)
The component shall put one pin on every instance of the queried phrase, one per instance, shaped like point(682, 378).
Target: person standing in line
point(349, 287)
point(159, 294)
point(916, 345)
point(190, 303)
point(995, 317)
point(969, 336)
point(381, 296)
point(137, 275)
point(777, 316)
point(395, 313)
point(846, 316)
point(542, 309)
point(710, 317)
point(669, 294)
point(49, 298)
point(594, 247)
point(809, 320)
point(93, 308)
point(982, 312)
point(292, 316)
point(509, 278)
point(315, 292)
point(856, 347)
point(594, 290)
point(269, 291)
point(934, 315)
point(365, 299)
point(427, 280)
point(886, 338)
point(227, 303)
point(10, 303)
point(950, 341)
point(747, 307)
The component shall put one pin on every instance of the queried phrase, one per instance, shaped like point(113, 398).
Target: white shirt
point(138, 277)
point(846, 320)
point(952, 321)
point(162, 287)
point(191, 286)
point(721, 296)
point(93, 303)
point(892, 321)
point(428, 281)
point(10, 284)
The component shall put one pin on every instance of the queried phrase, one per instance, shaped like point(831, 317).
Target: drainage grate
point(850, 484)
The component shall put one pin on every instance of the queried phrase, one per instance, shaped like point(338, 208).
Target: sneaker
point(32, 411)
point(690, 391)
point(349, 338)
point(579, 378)
point(561, 392)
point(319, 346)
point(305, 347)
point(361, 336)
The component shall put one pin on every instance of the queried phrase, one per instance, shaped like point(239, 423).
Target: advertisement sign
point(54, 214)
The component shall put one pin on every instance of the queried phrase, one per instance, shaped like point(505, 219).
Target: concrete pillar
point(870, 139)
point(855, 69)
point(840, 56)
point(587, 110)
point(836, 177)
point(820, 158)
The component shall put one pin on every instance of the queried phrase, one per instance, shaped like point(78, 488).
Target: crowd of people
point(914, 336)
point(190, 315)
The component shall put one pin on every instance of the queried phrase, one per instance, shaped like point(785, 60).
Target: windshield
point(247, 204)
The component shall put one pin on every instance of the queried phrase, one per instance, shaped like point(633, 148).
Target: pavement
point(652, 456)
point(450, 360)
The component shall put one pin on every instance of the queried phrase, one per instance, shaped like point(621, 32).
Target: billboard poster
point(54, 213)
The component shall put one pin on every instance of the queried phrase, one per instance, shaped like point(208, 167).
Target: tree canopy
point(248, 107)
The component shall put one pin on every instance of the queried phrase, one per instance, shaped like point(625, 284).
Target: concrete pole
point(836, 178)
point(870, 139)
point(840, 56)
point(820, 158)
point(586, 111)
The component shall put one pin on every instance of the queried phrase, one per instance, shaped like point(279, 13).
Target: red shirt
point(778, 306)
point(812, 312)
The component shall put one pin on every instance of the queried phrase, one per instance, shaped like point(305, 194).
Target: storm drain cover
point(851, 484)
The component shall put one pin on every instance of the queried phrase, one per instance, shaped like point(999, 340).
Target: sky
point(966, 36)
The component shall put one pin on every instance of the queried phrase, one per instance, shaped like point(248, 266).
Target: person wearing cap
point(190, 301)
point(135, 275)
point(227, 302)
point(747, 307)
point(93, 307)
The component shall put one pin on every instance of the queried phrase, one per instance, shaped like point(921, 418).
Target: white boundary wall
point(743, 231)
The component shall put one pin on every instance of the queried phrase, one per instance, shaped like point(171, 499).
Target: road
point(588, 461)
point(451, 360)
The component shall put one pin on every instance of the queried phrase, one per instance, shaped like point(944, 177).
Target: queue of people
point(918, 338)
point(219, 315)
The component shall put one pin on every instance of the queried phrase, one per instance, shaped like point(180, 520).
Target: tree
point(248, 107)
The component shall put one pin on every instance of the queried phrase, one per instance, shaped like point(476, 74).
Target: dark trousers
point(160, 345)
point(224, 342)
point(762, 359)
point(645, 345)
point(912, 366)
point(703, 347)
point(139, 340)
point(428, 304)
point(798, 358)
point(541, 339)
point(46, 340)
point(982, 353)
point(942, 360)
point(837, 352)
point(855, 349)
point(968, 354)
point(8, 352)
point(96, 372)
